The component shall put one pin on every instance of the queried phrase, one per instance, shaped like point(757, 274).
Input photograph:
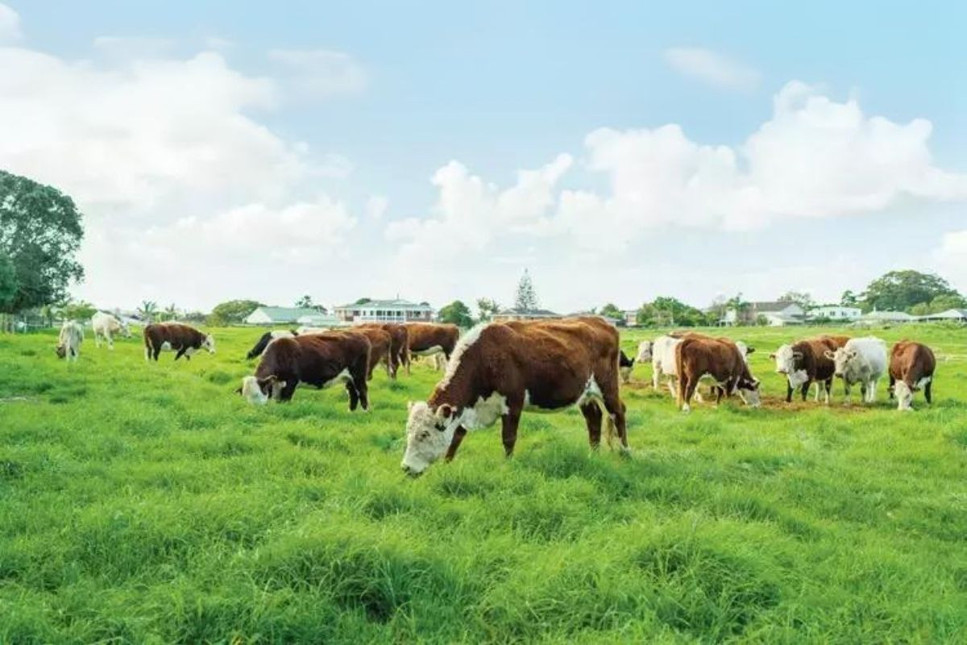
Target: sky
point(616, 150)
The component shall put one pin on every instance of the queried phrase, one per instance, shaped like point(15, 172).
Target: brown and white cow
point(499, 369)
point(719, 358)
point(399, 343)
point(805, 362)
point(185, 340)
point(911, 368)
point(380, 342)
point(319, 360)
point(426, 339)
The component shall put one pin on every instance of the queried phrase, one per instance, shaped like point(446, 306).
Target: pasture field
point(147, 503)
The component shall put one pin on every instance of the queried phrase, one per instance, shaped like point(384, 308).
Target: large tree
point(526, 298)
point(305, 302)
point(487, 308)
point(801, 298)
point(903, 290)
point(232, 312)
point(611, 310)
point(78, 310)
point(456, 313)
point(40, 232)
point(8, 281)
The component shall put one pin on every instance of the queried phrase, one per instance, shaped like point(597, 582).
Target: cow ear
point(238, 390)
point(772, 355)
point(445, 411)
point(749, 350)
point(797, 354)
point(830, 355)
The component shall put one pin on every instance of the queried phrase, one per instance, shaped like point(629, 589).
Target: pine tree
point(526, 299)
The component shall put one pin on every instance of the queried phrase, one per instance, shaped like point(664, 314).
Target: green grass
point(147, 503)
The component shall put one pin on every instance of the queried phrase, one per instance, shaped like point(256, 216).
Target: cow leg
point(592, 416)
point(181, 352)
point(805, 390)
point(672, 384)
point(828, 386)
point(656, 376)
point(508, 429)
point(891, 387)
point(110, 340)
point(458, 436)
point(97, 340)
point(788, 391)
point(848, 391)
point(353, 396)
point(616, 411)
point(285, 394)
point(406, 362)
point(363, 390)
point(927, 394)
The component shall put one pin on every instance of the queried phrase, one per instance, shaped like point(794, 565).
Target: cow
point(399, 344)
point(106, 326)
point(319, 360)
point(625, 365)
point(803, 363)
point(426, 339)
point(860, 360)
point(267, 338)
point(911, 368)
point(719, 358)
point(662, 352)
point(499, 369)
point(70, 339)
point(380, 342)
point(185, 340)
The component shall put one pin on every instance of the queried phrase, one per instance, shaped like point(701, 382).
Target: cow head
point(748, 389)
point(259, 391)
point(428, 435)
point(842, 359)
point(786, 358)
point(625, 365)
point(904, 396)
point(645, 348)
point(61, 351)
point(125, 329)
point(209, 344)
point(745, 350)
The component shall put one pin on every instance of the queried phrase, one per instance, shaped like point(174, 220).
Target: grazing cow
point(183, 339)
point(106, 326)
point(380, 342)
point(625, 365)
point(498, 369)
point(70, 339)
point(860, 360)
point(911, 368)
point(663, 358)
point(805, 362)
point(399, 344)
point(267, 338)
point(426, 339)
point(319, 360)
point(719, 358)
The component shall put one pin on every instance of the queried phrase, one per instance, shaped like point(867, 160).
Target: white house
point(888, 317)
point(278, 315)
point(836, 312)
point(395, 311)
point(524, 314)
point(953, 315)
point(777, 314)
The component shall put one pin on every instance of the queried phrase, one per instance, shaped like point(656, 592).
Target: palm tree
point(171, 312)
point(147, 310)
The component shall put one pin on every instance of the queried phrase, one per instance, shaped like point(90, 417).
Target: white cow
point(662, 351)
point(70, 339)
point(106, 326)
point(863, 361)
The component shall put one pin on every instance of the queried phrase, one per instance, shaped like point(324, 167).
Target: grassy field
point(147, 503)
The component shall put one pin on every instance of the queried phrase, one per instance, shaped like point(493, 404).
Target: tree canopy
point(78, 310)
point(611, 310)
point(487, 308)
point(305, 302)
point(903, 290)
point(665, 311)
point(526, 298)
point(8, 282)
point(232, 312)
point(40, 232)
point(801, 298)
point(456, 313)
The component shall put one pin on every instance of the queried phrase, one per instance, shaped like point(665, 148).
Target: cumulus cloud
point(951, 258)
point(711, 68)
point(376, 207)
point(320, 73)
point(9, 25)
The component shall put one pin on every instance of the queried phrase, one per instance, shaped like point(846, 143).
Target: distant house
point(836, 312)
point(631, 317)
point(321, 320)
point(887, 317)
point(397, 311)
point(953, 315)
point(617, 322)
point(524, 314)
point(278, 315)
point(776, 313)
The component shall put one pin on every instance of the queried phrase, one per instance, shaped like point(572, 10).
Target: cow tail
point(679, 364)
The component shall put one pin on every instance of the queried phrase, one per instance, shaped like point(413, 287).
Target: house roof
point(950, 314)
point(888, 315)
point(529, 313)
point(395, 303)
point(286, 314)
point(771, 306)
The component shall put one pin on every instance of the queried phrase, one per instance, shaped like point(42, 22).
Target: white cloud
point(9, 25)
point(123, 48)
point(712, 68)
point(376, 207)
point(951, 259)
point(319, 73)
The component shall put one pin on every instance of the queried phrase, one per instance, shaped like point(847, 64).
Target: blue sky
point(275, 149)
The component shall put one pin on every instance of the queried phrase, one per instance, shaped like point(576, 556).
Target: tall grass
point(147, 503)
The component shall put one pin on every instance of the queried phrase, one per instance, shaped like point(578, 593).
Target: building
point(836, 312)
point(387, 311)
point(321, 321)
point(631, 317)
point(887, 317)
point(951, 315)
point(524, 314)
point(278, 315)
point(777, 314)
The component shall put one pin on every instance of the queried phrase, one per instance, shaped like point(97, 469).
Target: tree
point(939, 304)
point(170, 312)
point(305, 302)
point(801, 298)
point(610, 310)
point(849, 299)
point(741, 308)
point(526, 298)
point(665, 311)
point(487, 308)
point(232, 312)
point(8, 281)
point(363, 301)
point(456, 313)
point(40, 232)
point(147, 310)
point(902, 290)
point(78, 310)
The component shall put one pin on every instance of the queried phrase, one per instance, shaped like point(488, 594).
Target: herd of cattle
point(497, 370)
